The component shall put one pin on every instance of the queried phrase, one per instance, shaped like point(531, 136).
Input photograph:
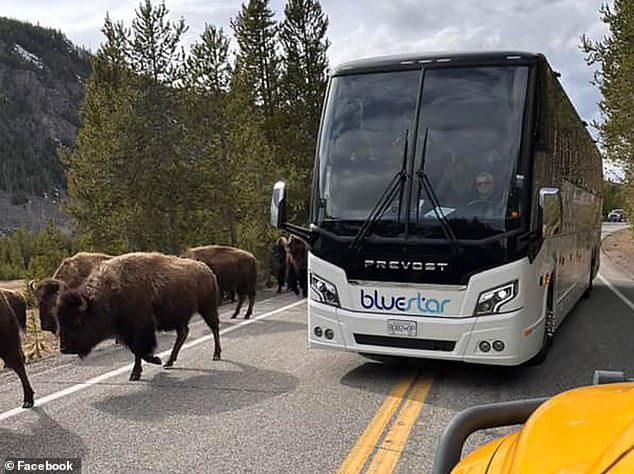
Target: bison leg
point(136, 370)
point(250, 308)
point(280, 280)
point(291, 283)
point(241, 297)
point(142, 346)
point(181, 336)
point(17, 364)
point(152, 359)
point(211, 318)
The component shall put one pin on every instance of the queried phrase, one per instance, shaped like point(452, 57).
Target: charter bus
point(455, 209)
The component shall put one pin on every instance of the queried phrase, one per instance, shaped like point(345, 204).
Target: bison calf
point(70, 274)
point(132, 296)
point(12, 318)
point(236, 269)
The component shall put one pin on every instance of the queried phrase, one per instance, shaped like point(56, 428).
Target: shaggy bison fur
point(132, 296)
point(298, 267)
point(12, 319)
point(278, 262)
point(70, 274)
point(236, 270)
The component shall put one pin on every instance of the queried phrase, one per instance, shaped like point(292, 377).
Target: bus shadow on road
point(592, 337)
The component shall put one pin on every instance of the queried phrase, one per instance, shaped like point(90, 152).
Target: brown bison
point(70, 274)
point(298, 250)
point(236, 270)
point(279, 267)
point(132, 296)
point(12, 318)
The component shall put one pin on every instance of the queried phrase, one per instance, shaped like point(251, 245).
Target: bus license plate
point(397, 327)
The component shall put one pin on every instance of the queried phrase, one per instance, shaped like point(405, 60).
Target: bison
point(12, 318)
point(298, 250)
point(278, 262)
point(70, 274)
point(132, 296)
point(236, 269)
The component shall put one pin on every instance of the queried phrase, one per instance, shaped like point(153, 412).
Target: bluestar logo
point(401, 303)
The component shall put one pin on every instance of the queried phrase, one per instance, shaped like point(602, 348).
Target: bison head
point(79, 328)
point(46, 293)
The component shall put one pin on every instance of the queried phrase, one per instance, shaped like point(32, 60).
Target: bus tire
point(540, 357)
point(547, 343)
point(586, 294)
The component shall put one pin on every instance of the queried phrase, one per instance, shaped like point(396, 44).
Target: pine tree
point(252, 177)
point(208, 78)
point(304, 80)
point(97, 193)
point(127, 177)
point(258, 61)
point(615, 79)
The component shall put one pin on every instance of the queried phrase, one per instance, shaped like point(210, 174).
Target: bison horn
point(83, 305)
point(31, 285)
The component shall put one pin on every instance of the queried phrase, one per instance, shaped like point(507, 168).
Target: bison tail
point(217, 292)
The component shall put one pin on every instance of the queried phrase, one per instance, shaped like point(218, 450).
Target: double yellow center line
point(415, 388)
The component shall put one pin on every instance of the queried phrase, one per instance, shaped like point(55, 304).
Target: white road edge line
point(617, 292)
point(113, 373)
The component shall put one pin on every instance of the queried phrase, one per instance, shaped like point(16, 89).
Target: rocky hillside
point(41, 88)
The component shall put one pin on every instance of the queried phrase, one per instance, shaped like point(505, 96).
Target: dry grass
point(619, 248)
point(36, 344)
point(19, 285)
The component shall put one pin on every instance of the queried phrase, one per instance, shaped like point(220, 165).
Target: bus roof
point(416, 59)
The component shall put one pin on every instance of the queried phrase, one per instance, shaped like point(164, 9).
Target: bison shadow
point(41, 437)
point(179, 392)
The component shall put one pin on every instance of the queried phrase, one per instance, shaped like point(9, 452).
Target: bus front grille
point(405, 343)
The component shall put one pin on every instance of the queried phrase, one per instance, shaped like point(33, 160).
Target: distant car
point(616, 215)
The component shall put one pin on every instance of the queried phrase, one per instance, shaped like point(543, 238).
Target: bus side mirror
point(551, 211)
point(278, 205)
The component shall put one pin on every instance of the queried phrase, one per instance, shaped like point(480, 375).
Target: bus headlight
point(326, 292)
point(490, 301)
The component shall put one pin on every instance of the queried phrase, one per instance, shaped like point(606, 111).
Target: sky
point(376, 27)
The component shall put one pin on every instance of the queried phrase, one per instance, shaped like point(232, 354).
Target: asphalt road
point(271, 405)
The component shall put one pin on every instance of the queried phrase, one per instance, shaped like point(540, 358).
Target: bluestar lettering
point(413, 304)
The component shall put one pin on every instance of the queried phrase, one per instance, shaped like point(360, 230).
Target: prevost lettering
point(415, 266)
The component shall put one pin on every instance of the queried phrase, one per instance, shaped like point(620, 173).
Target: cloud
point(364, 29)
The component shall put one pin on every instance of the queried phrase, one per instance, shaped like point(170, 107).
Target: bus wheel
point(588, 292)
point(540, 357)
point(547, 343)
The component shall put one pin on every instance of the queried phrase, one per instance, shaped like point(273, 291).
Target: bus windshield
point(467, 145)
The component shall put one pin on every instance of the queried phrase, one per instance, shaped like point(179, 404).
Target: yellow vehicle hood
point(587, 430)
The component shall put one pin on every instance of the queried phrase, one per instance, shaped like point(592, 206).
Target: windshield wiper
point(429, 189)
point(395, 186)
